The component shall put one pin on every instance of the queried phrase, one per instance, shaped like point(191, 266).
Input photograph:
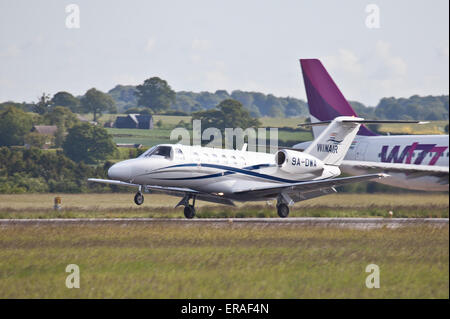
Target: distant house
point(141, 121)
point(48, 131)
point(85, 120)
point(125, 145)
point(45, 129)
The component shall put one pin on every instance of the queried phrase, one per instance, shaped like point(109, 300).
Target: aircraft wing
point(319, 187)
point(172, 191)
point(396, 167)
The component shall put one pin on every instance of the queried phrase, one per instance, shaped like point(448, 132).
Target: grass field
point(121, 205)
point(165, 260)
point(434, 127)
point(136, 261)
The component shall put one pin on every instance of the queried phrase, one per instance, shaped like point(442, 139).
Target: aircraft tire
point(138, 198)
point(283, 210)
point(189, 212)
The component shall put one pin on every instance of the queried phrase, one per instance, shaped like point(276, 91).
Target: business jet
point(418, 162)
point(223, 176)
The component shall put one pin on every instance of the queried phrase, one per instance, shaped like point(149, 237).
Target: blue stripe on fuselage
point(228, 171)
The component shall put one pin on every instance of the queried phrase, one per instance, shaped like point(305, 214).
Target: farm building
point(47, 131)
point(141, 121)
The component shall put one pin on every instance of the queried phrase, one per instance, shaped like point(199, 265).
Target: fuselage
point(211, 170)
point(420, 150)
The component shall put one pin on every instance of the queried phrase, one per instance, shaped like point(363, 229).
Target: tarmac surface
point(344, 222)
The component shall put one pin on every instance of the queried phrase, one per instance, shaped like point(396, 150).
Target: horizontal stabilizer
point(366, 122)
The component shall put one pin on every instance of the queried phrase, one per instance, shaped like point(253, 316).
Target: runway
point(345, 222)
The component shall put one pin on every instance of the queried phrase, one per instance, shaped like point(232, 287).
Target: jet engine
point(294, 162)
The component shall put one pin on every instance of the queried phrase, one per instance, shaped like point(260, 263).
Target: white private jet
point(222, 176)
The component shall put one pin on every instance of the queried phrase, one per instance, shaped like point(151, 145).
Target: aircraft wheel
point(189, 211)
point(283, 210)
point(138, 198)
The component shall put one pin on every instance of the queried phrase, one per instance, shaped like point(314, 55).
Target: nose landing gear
point(139, 198)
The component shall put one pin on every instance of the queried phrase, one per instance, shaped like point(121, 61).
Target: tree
point(35, 139)
point(14, 125)
point(228, 114)
point(97, 102)
point(124, 96)
point(88, 143)
point(43, 105)
point(61, 116)
point(64, 119)
point(66, 99)
point(155, 94)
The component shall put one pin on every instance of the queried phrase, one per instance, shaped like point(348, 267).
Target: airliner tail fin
point(325, 100)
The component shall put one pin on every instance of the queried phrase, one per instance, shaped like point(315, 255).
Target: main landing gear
point(283, 203)
point(282, 210)
point(189, 210)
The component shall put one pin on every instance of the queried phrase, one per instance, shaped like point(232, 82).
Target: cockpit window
point(151, 149)
point(164, 151)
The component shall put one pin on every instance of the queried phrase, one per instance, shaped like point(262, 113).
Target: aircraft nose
point(120, 171)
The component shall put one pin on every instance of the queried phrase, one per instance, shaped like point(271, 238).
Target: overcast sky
point(210, 45)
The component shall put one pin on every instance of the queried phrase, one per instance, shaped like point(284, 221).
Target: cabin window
point(224, 159)
point(179, 153)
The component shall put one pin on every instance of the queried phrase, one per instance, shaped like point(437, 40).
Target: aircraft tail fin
point(325, 100)
point(333, 143)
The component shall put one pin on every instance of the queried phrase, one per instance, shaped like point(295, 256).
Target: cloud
point(125, 79)
point(11, 51)
point(198, 44)
point(150, 45)
point(443, 51)
point(345, 60)
point(195, 58)
point(396, 65)
point(216, 76)
point(369, 77)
